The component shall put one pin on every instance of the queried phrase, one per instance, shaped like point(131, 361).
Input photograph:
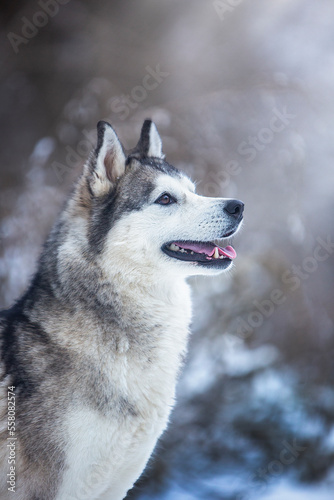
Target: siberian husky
point(91, 353)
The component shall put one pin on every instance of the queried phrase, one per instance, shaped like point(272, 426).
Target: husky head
point(144, 215)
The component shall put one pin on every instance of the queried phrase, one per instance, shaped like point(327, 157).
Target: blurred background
point(242, 92)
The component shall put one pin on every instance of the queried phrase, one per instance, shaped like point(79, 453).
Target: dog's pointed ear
point(108, 162)
point(150, 143)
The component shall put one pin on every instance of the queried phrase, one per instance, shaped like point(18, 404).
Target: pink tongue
point(208, 249)
point(228, 252)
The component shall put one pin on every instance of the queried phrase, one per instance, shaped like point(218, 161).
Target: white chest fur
point(106, 454)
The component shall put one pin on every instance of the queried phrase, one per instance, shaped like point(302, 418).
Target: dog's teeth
point(182, 250)
point(216, 254)
point(192, 253)
point(222, 257)
point(174, 247)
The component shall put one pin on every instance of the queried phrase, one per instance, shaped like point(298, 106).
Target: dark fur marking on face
point(131, 193)
point(156, 163)
point(162, 166)
point(102, 211)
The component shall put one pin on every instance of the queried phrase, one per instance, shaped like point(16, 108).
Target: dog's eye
point(165, 199)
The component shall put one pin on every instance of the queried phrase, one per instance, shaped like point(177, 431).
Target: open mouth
point(202, 253)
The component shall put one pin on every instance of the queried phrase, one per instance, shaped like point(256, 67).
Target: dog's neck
point(124, 308)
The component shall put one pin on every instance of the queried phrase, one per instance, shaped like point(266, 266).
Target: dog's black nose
point(234, 208)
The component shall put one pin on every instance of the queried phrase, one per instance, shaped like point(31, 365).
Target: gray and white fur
point(95, 345)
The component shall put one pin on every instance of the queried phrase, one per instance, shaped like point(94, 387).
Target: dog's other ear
point(108, 162)
point(150, 142)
